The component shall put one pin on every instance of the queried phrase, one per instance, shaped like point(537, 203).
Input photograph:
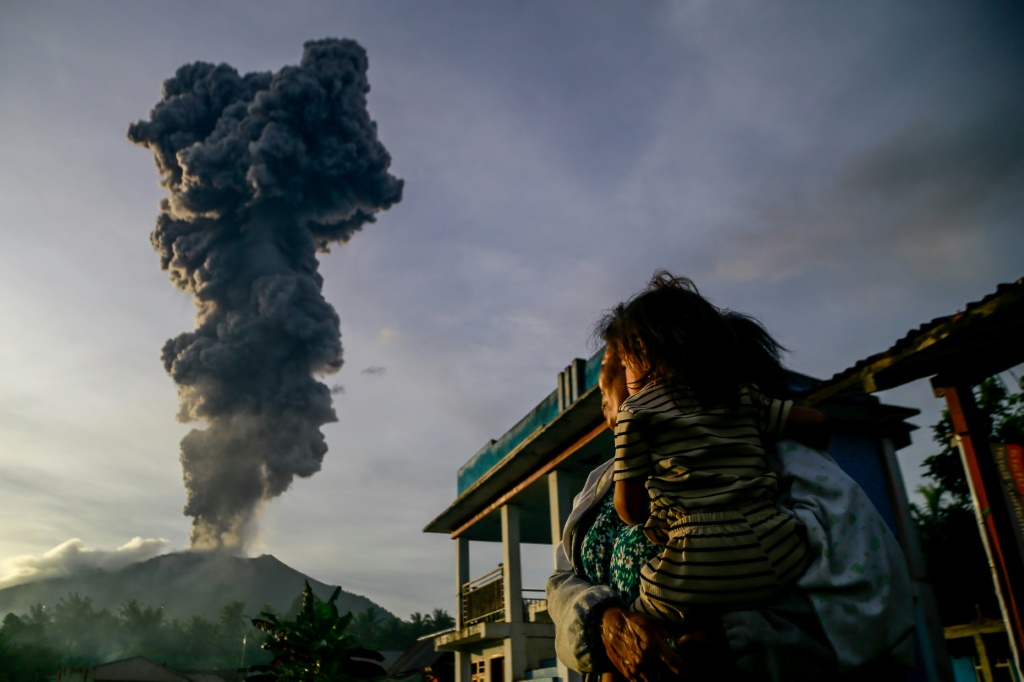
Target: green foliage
point(21, 662)
point(314, 647)
point(380, 631)
point(1002, 409)
point(946, 523)
point(74, 632)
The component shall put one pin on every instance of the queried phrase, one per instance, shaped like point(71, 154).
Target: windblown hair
point(670, 332)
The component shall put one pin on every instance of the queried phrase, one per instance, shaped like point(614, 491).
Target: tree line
point(34, 645)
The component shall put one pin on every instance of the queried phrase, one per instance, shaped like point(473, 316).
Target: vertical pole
point(990, 508)
point(512, 573)
point(461, 577)
point(512, 576)
point(560, 504)
point(463, 660)
point(983, 663)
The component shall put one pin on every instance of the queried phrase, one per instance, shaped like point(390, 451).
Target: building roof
point(477, 506)
point(985, 338)
point(575, 440)
point(137, 668)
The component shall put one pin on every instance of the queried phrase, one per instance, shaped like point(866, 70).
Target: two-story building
point(519, 489)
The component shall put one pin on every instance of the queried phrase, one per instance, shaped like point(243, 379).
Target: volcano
point(184, 584)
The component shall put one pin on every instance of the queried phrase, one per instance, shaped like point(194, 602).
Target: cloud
point(931, 198)
point(72, 556)
point(386, 336)
point(337, 389)
point(374, 371)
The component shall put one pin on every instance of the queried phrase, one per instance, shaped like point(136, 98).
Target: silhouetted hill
point(185, 584)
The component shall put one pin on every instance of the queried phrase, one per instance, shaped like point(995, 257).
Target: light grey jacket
point(854, 602)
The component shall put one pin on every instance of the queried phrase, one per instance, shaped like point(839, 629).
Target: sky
point(842, 171)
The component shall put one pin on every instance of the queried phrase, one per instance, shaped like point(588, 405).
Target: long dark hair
point(675, 334)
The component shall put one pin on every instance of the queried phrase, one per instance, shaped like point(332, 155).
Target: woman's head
point(612, 384)
point(669, 331)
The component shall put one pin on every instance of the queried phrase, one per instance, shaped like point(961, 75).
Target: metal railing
point(483, 599)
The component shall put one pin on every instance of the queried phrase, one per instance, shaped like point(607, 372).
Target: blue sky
point(844, 171)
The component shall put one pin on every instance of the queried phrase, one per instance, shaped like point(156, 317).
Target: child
point(689, 452)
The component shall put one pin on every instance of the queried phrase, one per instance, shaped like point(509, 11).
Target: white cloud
point(73, 555)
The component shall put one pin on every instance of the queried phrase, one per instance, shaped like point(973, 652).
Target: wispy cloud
point(935, 198)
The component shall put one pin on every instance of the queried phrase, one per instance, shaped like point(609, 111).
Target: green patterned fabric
point(613, 553)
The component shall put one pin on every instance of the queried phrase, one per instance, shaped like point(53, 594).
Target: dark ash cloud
point(263, 171)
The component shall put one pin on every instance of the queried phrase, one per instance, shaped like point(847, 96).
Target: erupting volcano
point(263, 171)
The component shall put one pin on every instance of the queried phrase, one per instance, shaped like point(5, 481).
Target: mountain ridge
point(185, 584)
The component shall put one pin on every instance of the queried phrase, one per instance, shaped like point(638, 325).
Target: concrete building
point(519, 489)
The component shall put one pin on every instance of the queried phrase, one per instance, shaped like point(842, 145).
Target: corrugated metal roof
point(984, 334)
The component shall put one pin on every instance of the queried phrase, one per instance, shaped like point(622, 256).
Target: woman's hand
point(638, 646)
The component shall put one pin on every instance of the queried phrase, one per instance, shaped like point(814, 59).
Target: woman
point(850, 615)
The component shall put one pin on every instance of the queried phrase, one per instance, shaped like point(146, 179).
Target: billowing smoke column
point(263, 171)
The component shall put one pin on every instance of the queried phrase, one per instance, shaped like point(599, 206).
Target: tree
point(79, 632)
point(21, 657)
point(1002, 409)
point(314, 647)
point(142, 628)
point(367, 623)
point(440, 620)
point(946, 523)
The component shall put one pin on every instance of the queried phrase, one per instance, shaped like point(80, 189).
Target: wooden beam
point(985, 626)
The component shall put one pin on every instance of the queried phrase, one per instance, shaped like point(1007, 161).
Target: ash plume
point(263, 171)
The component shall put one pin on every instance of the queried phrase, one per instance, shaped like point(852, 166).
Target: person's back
point(711, 500)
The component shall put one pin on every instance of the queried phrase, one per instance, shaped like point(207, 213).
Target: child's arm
point(632, 501)
point(806, 425)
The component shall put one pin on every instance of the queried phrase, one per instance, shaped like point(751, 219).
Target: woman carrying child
point(690, 462)
point(849, 617)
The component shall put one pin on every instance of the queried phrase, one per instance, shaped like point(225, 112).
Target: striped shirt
point(698, 458)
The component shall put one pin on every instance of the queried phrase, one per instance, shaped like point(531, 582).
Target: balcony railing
point(483, 599)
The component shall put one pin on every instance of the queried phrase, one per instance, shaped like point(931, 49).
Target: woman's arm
point(575, 607)
point(595, 632)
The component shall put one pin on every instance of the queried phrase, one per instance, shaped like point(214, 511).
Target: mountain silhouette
point(184, 584)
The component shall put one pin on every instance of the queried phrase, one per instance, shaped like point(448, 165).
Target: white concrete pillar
point(561, 504)
point(461, 577)
point(463, 659)
point(512, 576)
point(463, 672)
